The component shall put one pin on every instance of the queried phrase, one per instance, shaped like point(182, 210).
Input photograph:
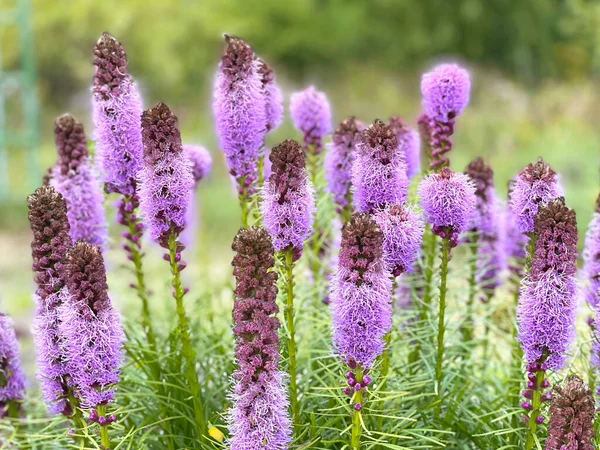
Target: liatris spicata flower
point(12, 378)
point(591, 258)
point(572, 412)
point(259, 417)
point(90, 327)
point(75, 178)
point(240, 112)
point(409, 144)
point(288, 201)
point(338, 162)
point(311, 114)
point(402, 229)
point(51, 240)
point(378, 173)
point(514, 242)
point(272, 95)
point(537, 184)
point(445, 93)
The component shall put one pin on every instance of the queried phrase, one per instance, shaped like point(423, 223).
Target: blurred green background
point(535, 67)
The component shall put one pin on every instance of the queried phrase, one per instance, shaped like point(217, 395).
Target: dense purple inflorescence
point(75, 178)
point(258, 419)
point(378, 173)
point(166, 179)
point(12, 378)
point(514, 243)
point(272, 95)
point(409, 144)
point(90, 327)
point(591, 258)
point(311, 114)
point(288, 202)
point(361, 293)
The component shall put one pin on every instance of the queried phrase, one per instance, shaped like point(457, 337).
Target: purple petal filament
point(409, 144)
point(12, 378)
point(311, 114)
point(591, 259)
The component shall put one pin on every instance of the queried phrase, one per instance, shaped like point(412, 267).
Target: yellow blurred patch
point(216, 434)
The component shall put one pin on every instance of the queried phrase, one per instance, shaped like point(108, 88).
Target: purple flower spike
point(514, 242)
point(311, 114)
point(572, 412)
point(90, 326)
point(200, 159)
point(546, 311)
point(591, 259)
point(259, 418)
point(272, 95)
point(75, 178)
point(288, 202)
point(537, 184)
point(12, 378)
point(445, 92)
point(166, 179)
point(239, 109)
point(117, 108)
point(361, 292)
point(378, 173)
point(448, 201)
point(402, 229)
point(595, 358)
point(339, 158)
point(409, 144)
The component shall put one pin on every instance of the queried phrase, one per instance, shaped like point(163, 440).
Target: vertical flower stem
point(104, 439)
point(184, 333)
point(430, 252)
point(356, 414)
point(244, 201)
point(261, 168)
point(468, 326)
point(536, 402)
point(530, 251)
point(289, 318)
point(441, 322)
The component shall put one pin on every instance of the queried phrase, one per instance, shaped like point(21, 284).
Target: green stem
point(244, 201)
point(441, 322)
point(467, 328)
point(530, 252)
point(536, 403)
point(356, 415)
point(184, 333)
point(430, 251)
point(104, 438)
point(261, 167)
point(289, 317)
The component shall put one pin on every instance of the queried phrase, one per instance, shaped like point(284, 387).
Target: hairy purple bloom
point(288, 200)
point(166, 179)
point(339, 159)
point(311, 114)
point(258, 419)
point(90, 327)
point(272, 95)
point(12, 378)
point(591, 259)
point(448, 201)
point(409, 144)
point(239, 109)
point(75, 178)
point(378, 173)
point(572, 412)
point(537, 184)
point(117, 108)
point(200, 159)
point(361, 293)
point(402, 229)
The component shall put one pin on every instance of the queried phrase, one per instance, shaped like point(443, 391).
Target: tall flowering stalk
point(241, 116)
point(409, 145)
point(591, 259)
point(92, 335)
point(361, 308)
point(547, 305)
point(288, 207)
point(12, 378)
point(448, 201)
point(258, 418)
point(166, 184)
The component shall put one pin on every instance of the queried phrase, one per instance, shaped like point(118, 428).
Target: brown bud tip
point(538, 171)
point(160, 133)
point(237, 57)
point(253, 241)
point(382, 140)
point(362, 232)
point(86, 276)
point(45, 201)
point(481, 174)
point(265, 72)
point(347, 133)
point(398, 125)
point(111, 65)
point(71, 143)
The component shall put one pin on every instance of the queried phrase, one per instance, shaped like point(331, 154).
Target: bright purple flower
point(288, 202)
point(378, 173)
point(514, 242)
point(535, 185)
point(311, 114)
point(361, 293)
point(259, 419)
point(200, 159)
point(239, 109)
point(272, 94)
point(12, 378)
point(409, 144)
point(339, 158)
point(75, 178)
point(591, 258)
point(448, 201)
point(547, 305)
point(117, 108)
point(90, 327)
point(402, 229)
point(166, 178)
point(445, 92)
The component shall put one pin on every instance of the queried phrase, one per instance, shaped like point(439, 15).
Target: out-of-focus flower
point(311, 114)
point(591, 258)
point(409, 144)
point(12, 378)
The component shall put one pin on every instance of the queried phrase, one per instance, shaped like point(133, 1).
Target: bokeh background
point(535, 66)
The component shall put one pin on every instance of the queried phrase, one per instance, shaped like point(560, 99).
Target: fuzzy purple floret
point(239, 109)
point(378, 173)
point(402, 229)
point(272, 94)
point(311, 114)
point(288, 204)
point(117, 108)
point(166, 181)
point(90, 327)
point(200, 159)
point(591, 259)
point(409, 145)
point(361, 293)
point(12, 378)
point(445, 91)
